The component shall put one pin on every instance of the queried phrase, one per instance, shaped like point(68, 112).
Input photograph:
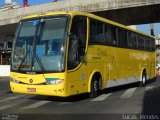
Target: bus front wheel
point(95, 87)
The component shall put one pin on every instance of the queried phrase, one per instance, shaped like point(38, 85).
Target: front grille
point(44, 83)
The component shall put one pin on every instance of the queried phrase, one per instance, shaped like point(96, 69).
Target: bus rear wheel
point(95, 87)
point(144, 78)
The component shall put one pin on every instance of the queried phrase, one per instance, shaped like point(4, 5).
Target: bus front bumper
point(49, 90)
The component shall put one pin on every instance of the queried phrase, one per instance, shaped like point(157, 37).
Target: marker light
point(54, 81)
point(14, 80)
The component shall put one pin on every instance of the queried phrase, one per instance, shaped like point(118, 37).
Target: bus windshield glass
point(39, 45)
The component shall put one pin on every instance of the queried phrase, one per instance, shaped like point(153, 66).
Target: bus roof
point(72, 13)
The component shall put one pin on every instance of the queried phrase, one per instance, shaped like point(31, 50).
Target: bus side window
point(153, 46)
point(113, 34)
point(77, 41)
point(132, 39)
point(93, 31)
point(122, 38)
point(107, 35)
point(147, 44)
point(96, 32)
point(140, 40)
point(110, 34)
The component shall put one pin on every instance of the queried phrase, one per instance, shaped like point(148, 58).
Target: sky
point(144, 28)
point(30, 2)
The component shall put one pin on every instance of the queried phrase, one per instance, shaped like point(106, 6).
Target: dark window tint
point(96, 32)
point(102, 33)
point(77, 41)
point(140, 40)
point(132, 40)
point(147, 44)
point(107, 34)
point(112, 30)
point(153, 46)
point(122, 38)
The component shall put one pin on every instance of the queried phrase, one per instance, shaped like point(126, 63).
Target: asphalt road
point(120, 103)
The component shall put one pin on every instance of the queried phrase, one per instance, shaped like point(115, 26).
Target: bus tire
point(144, 78)
point(95, 87)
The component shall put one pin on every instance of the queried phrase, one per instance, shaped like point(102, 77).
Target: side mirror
point(82, 48)
point(71, 36)
point(83, 59)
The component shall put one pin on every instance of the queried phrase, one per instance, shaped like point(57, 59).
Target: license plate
point(31, 89)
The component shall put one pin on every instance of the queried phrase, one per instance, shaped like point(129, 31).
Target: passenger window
point(107, 35)
point(132, 39)
point(147, 44)
point(122, 38)
point(153, 46)
point(113, 34)
point(96, 32)
point(140, 40)
point(101, 33)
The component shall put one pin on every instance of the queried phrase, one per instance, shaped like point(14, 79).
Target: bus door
point(77, 71)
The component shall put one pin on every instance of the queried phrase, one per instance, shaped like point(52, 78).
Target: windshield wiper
point(40, 63)
point(22, 61)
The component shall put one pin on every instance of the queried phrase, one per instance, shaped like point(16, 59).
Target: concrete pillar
point(152, 29)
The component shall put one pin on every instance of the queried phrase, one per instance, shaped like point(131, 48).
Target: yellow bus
point(69, 53)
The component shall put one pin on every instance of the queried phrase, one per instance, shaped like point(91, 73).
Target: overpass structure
point(127, 12)
point(124, 11)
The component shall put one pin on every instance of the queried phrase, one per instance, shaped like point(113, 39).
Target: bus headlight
point(54, 82)
point(14, 80)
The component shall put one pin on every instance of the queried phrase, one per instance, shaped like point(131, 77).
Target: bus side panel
point(119, 66)
point(77, 80)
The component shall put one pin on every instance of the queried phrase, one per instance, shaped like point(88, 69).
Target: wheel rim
point(95, 86)
point(144, 79)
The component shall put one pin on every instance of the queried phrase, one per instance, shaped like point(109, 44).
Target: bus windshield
point(39, 45)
